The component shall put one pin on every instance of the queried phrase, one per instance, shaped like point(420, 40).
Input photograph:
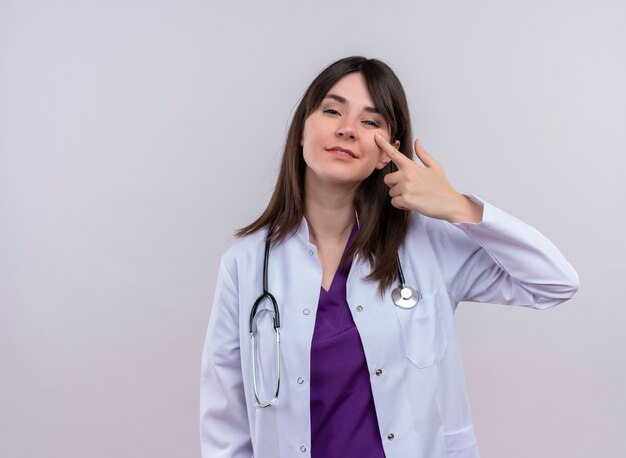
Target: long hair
point(382, 227)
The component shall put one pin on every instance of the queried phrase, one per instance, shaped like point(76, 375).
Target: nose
point(346, 132)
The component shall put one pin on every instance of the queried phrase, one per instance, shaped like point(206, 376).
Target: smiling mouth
point(342, 152)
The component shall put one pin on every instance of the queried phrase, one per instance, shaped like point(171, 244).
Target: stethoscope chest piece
point(405, 297)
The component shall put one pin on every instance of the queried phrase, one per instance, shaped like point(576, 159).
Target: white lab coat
point(420, 396)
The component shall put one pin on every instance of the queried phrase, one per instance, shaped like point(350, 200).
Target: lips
point(341, 150)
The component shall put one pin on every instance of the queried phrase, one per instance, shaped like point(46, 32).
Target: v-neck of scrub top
point(343, 415)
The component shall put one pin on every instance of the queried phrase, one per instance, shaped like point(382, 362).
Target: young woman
point(367, 254)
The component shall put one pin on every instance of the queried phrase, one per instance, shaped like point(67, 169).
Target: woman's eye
point(368, 121)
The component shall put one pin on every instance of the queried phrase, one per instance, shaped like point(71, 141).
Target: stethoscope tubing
point(403, 296)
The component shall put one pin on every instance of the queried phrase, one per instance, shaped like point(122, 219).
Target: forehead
point(353, 88)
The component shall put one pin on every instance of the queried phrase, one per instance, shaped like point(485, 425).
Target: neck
point(329, 209)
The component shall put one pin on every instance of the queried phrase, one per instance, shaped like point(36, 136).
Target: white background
point(135, 136)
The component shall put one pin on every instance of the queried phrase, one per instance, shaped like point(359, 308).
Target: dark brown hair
point(382, 227)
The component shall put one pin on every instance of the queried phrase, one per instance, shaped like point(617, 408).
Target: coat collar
point(303, 230)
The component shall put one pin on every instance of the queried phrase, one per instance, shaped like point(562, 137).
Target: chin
point(338, 175)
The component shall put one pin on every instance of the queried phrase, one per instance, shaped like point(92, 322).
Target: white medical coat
point(420, 395)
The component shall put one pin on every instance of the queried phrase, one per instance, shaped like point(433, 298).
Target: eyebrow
point(343, 100)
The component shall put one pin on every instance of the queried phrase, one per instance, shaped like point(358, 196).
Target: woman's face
point(347, 120)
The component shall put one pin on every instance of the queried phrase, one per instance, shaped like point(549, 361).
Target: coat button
point(379, 371)
point(302, 448)
point(359, 308)
point(390, 436)
point(306, 311)
point(300, 380)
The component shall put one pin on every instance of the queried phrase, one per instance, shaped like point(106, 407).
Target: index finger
point(396, 156)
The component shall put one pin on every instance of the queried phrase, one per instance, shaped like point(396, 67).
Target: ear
point(382, 163)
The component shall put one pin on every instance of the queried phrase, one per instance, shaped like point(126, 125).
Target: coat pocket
point(462, 444)
point(423, 333)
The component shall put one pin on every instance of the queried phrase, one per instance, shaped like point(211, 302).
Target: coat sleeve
point(224, 427)
point(501, 260)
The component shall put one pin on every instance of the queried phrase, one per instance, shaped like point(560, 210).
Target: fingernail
point(379, 136)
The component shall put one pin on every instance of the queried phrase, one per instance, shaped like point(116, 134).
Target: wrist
point(465, 211)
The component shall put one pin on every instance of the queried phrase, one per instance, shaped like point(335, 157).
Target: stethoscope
point(403, 296)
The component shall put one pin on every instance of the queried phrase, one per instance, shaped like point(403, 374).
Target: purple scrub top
point(343, 416)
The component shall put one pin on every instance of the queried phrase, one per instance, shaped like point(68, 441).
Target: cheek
point(373, 150)
point(308, 149)
point(308, 136)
